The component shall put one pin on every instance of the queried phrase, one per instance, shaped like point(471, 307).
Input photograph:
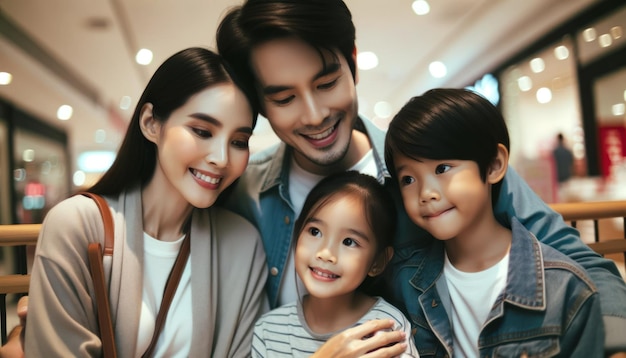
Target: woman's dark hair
point(448, 123)
point(181, 76)
point(326, 25)
point(379, 208)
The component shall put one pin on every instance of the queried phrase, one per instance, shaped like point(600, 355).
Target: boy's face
point(447, 198)
point(311, 107)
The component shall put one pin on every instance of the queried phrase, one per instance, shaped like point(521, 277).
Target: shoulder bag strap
point(95, 254)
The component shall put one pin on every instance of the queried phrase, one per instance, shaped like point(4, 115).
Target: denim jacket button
point(274, 271)
point(287, 220)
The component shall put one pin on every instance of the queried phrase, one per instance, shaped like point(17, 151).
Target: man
point(301, 57)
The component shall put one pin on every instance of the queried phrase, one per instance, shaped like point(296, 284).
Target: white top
point(175, 338)
point(300, 184)
point(472, 295)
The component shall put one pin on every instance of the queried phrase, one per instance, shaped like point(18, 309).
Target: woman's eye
point(201, 132)
point(442, 168)
point(242, 144)
point(406, 180)
point(349, 242)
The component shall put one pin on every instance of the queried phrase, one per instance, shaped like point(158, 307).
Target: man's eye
point(328, 85)
point(442, 168)
point(282, 101)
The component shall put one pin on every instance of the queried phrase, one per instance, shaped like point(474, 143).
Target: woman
point(186, 143)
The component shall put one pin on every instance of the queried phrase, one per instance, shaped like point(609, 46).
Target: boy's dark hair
point(448, 123)
point(380, 213)
point(326, 25)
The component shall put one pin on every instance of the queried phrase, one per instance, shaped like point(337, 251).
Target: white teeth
point(323, 274)
point(322, 135)
point(205, 178)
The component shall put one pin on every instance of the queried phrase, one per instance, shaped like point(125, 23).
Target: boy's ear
point(381, 262)
point(149, 125)
point(499, 165)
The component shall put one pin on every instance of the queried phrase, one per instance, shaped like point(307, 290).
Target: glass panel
point(540, 99)
point(40, 175)
point(609, 93)
point(5, 198)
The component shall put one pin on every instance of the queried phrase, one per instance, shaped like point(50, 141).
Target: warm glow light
point(144, 56)
point(366, 60)
point(544, 95)
point(28, 155)
point(437, 69)
point(524, 83)
point(589, 34)
point(537, 65)
point(382, 109)
point(5, 78)
point(125, 102)
point(561, 52)
point(618, 109)
point(79, 178)
point(65, 112)
point(421, 7)
point(605, 40)
point(616, 32)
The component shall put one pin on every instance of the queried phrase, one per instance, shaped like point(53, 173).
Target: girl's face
point(203, 146)
point(336, 249)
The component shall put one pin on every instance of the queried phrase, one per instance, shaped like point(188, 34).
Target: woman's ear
point(150, 127)
point(381, 262)
point(499, 165)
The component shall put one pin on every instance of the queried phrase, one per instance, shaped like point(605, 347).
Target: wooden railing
point(14, 235)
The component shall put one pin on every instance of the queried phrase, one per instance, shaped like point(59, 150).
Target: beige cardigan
point(228, 277)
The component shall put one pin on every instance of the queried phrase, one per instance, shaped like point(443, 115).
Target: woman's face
point(203, 146)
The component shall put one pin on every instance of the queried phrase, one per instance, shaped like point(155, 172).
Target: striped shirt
point(283, 332)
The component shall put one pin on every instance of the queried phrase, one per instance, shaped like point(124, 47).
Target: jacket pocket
point(536, 348)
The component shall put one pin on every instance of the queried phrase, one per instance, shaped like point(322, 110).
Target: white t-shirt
point(175, 338)
point(472, 295)
point(300, 184)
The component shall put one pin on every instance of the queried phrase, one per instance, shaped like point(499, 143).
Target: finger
point(384, 338)
point(22, 309)
point(388, 352)
point(370, 328)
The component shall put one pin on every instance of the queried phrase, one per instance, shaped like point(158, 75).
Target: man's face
point(309, 99)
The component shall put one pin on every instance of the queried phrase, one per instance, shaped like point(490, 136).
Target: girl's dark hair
point(181, 76)
point(380, 212)
point(326, 25)
point(448, 123)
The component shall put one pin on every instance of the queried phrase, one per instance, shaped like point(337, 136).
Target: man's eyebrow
point(215, 122)
point(328, 69)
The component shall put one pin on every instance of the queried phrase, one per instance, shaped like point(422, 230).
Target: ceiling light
point(382, 109)
point(561, 52)
point(524, 83)
point(605, 40)
point(437, 69)
point(65, 112)
point(420, 7)
point(366, 60)
point(79, 178)
point(95, 161)
point(144, 56)
point(618, 109)
point(125, 102)
point(28, 155)
point(589, 34)
point(616, 32)
point(544, 95)
point(5, 78)
point(537, 65)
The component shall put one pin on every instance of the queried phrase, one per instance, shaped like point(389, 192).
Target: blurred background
point(71, 72)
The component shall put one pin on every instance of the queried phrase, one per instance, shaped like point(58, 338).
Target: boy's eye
point(328, 85)
point(442, 168)
point(282, 101)
point(406, 180)
point(349, 242)
point(201, 132)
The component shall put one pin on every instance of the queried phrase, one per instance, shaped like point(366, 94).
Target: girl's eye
point(328, 85)
point(313, 231)
point(201, 133)
point(349, 242)
point(242, 144)
point(442, 168)
point(406, 180)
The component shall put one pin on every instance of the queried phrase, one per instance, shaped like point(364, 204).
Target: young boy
point(482, 289)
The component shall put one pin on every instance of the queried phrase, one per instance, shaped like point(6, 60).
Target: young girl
point(186, 143)
point(343, 241)
point(482, 289)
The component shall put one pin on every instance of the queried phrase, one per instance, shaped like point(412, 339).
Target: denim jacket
point(262, 196)
point(549, 306)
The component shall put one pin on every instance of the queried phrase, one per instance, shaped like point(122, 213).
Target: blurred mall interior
point(570, 79)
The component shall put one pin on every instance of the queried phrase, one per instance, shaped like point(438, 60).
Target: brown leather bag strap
point(168, 294)
point(96, 268)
